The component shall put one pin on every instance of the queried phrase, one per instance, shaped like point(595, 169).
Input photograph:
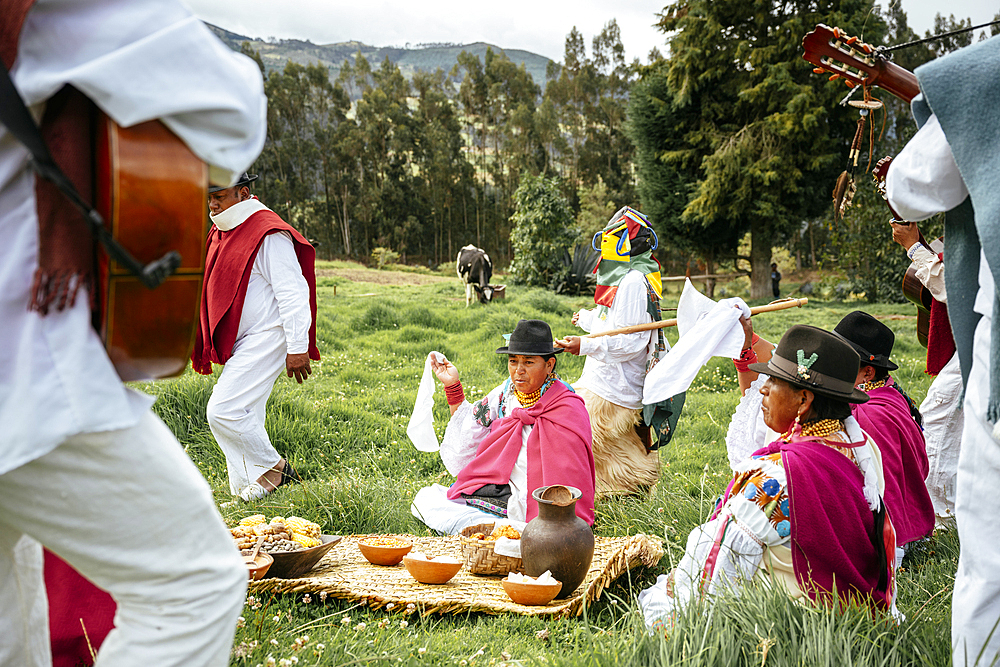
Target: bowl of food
point(529, 590)
point(295, 544)
point(384, 549)
point(259, 566)
point(294, 563)
point(431, 569)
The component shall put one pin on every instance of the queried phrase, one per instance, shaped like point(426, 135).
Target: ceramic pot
point(557, 539)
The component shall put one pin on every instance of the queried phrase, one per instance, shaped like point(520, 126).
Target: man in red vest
point(258, 317)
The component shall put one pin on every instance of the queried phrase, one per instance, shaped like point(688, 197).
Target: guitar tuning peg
point(850, 84)
point(818, 70)
point(833, 77)
point(851, 40)
point(866, 48)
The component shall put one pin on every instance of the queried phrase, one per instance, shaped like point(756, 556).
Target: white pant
point(943, 418)
point(431, 505)
point(237, 406)
point(130, 512)
point(975, 607)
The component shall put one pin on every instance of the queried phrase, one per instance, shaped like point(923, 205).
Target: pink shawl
point(559, 451)
point(886, 418)
point(832, 541)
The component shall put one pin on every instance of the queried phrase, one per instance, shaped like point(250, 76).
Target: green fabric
point(963, 91)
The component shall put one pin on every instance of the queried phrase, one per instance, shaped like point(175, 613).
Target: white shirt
point(138, 60)
point(616, 365)
point(277, 293)
point(924, 180)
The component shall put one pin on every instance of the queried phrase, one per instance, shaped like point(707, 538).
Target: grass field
point(344, 430)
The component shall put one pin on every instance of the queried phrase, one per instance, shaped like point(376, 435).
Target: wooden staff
point(775, 305)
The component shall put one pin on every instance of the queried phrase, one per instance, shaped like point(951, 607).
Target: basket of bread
point(479, 549)
point(296, 544)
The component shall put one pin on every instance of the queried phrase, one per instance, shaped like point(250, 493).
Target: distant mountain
point(427, 58)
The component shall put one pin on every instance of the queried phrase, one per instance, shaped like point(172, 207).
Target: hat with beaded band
point(814, 359)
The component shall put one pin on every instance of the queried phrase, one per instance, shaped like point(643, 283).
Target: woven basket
point(480, 557)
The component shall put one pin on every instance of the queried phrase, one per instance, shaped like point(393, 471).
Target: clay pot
point(557, 539)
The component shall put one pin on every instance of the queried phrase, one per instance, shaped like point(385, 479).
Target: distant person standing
point(258, 317)
point(775, 280)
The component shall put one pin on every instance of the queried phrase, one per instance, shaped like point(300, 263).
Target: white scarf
point(237, 214)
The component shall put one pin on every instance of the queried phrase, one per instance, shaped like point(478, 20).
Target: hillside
point(332, 56)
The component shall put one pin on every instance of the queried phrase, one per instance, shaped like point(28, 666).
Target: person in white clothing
point(951, 165)
point(942, 407)
point(86, 469)
point(258, 323)
point(627, 294)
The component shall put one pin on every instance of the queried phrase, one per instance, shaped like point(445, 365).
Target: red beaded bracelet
point(454, 393)
point(747, 357)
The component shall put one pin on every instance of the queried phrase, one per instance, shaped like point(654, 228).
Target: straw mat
point(344, 573)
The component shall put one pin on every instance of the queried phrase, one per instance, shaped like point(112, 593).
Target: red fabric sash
point(832, 525)
point(228, 263)
point(72, 600)
point(559, 451)
point(940, 341)
point(886, 418)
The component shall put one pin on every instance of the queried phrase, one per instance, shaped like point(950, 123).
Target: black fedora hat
point(530, 337)
point(814, 359)
point(871, 339)
point(245, 179)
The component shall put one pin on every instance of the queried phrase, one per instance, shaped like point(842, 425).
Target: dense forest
point(728, 142)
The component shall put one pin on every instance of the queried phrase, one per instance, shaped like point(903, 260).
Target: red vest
point(228, 262)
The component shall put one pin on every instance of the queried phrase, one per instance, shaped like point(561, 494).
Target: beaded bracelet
point(454, 393)
point(747, 357)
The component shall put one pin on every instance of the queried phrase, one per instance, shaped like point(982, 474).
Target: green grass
point(344, 429)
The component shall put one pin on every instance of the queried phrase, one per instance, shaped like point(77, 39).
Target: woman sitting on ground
point(529, 432)
point(805, 512)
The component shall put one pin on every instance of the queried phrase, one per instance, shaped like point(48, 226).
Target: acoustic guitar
point(151, 191)
point(846, 57)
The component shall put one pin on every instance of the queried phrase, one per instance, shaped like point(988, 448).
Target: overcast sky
point(540, 26)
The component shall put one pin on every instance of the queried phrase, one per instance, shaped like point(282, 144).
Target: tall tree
point(770, 135)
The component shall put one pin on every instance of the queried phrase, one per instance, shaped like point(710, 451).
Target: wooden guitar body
point(152, 192)
point(919, 295)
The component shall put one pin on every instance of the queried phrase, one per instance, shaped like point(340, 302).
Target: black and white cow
point(475, 269)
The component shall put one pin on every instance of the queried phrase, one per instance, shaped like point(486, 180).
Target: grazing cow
point(475, 269)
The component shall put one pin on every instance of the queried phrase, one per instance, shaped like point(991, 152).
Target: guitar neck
point(858, 63)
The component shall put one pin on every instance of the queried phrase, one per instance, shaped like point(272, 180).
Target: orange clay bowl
point(432, 571)
point(293, 564)
point(531, 594)
point(259, 566)
point(378, 554)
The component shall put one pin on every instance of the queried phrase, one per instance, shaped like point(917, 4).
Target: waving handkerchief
point(420, 430)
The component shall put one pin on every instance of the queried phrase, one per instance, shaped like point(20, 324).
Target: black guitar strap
point(14, 115)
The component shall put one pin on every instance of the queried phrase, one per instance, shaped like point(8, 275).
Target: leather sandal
point(289, 475)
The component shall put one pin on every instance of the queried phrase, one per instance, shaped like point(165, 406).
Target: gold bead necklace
point(874, 384)
point(527, 400)
point(822, 428)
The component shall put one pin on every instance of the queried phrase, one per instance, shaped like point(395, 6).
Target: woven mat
point(344, 573)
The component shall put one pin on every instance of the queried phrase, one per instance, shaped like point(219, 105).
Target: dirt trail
point(383, 277)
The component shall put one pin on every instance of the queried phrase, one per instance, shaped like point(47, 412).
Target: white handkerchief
point(707, 331)
point(421, 427)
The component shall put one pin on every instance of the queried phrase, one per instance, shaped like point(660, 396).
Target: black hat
point(817, 360)
point(245, 179)
point(871, 339)
point(531, 337)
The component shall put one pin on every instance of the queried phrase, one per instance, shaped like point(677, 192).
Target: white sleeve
point(465, 431)
point(924, 179)
point(280, 267)
point(930, 271)
point(586, 319)
point(629, 309)
point(145, 59)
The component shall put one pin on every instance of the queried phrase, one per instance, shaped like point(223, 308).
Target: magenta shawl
point(559, 451)
point(886, 418)
point(832, 525)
